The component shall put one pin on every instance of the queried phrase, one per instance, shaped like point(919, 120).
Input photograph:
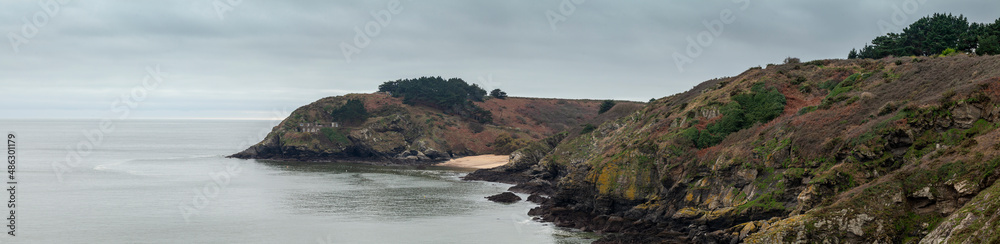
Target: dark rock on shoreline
point(506, 197)
point(539, 199)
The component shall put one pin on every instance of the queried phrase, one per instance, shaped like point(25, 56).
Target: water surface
point(167, 181)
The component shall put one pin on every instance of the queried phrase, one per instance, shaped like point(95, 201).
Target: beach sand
point(477, 162)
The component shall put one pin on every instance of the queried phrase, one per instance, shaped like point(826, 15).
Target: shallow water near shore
point(167, 181)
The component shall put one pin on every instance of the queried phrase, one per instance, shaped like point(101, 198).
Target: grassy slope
point(850, 166)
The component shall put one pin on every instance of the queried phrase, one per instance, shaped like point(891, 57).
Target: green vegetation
point(605, 106)
point(759, 106)
point(948, 52)
point(587, 128)
point(934, 35)
point(807, 110)
point(335, 135)
point(497, 93)
point(452, 96)
point(840, 88)
point(353, 112)
point(764, 203)
point(506, 143)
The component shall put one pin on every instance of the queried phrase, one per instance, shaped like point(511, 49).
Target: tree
point(605, 106)
point(988, 46)
point(353, 112)
point(497, 93)
point(476, 93)
point(853, 54)
point(452, 96)
point(927, 36)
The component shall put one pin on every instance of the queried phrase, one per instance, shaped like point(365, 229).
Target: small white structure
point(315, 127)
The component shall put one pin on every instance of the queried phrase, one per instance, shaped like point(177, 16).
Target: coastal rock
point(539, 199)
point(506, 197)
point(536, 186)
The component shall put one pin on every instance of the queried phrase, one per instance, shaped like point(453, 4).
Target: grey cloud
point(272, 54)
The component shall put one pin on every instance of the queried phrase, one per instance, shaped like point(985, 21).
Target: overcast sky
point(252, 58)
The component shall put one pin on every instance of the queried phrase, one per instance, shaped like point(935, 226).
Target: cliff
point(896, 150)
point(394, 132)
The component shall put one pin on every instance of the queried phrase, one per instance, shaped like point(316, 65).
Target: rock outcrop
point(506, 197)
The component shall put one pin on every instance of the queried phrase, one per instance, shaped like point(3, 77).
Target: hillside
point(394, 132)
point(895, 150)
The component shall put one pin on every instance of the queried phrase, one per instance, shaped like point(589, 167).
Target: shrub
point(476, 127)
point(758, 106)
point(828, 85)
point(948, 52)
point(605, 106)
point(852, 100)
point(799, 80)
point(947, 95)
point(889, 107)
point(352, 112)
point(806, 110)
point(806, 88)
point(828, 103)
point(816, 62)
point(497, 93)
point(587, 128)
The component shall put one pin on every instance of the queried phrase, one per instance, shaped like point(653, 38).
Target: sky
point(253, 59)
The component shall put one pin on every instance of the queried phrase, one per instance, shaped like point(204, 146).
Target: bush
point(948, 52)
point(497, 93)
point(806, 110)
point(829, 85)
point(587, 128)
point(476, 127)
point(888, 108)
point(759, 106)
point(605, 106)
point(806, 88)
point(799, 80)
point(353, 112)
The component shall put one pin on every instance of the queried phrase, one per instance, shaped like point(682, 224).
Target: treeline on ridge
point(933, 35)
point(453, 96)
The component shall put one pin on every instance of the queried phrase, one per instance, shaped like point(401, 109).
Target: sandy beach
point(477, 162)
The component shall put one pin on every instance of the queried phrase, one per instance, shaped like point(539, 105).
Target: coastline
point(477, 162)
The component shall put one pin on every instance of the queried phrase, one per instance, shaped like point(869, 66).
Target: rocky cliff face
point(398, 133)
point(901, 150)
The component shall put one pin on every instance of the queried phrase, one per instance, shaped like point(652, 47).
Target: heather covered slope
point(849, 151)
point(401, 133)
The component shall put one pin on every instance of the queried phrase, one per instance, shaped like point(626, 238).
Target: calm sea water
point(167, 181)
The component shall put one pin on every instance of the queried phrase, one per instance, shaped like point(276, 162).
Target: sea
point(168, 181)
